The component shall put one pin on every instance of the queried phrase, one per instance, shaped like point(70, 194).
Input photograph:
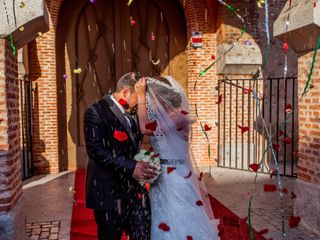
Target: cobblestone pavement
point(48, 204)
point(43, 230)
point(232, 187)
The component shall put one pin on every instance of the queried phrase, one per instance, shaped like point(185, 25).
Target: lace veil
point(168, 105)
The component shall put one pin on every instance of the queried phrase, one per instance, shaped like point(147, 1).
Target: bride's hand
point(140, 87)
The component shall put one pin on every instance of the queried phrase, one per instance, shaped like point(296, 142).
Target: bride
point(179, 202)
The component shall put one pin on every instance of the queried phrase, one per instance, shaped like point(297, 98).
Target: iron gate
point(26, 127)
point(242, 135)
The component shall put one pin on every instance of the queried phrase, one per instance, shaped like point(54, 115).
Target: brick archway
point(43, 70)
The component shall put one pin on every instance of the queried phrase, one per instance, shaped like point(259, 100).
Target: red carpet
point(83, 226)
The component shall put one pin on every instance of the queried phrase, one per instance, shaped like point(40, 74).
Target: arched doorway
point(106, 40)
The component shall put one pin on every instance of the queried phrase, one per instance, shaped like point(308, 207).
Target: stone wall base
point(307, 205)
point(12, 224)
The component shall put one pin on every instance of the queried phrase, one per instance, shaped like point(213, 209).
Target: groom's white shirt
point(121, 108)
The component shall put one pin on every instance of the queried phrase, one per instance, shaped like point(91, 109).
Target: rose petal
point(200, 177)
point(120, 136)
point(286, 140)
point(152, 126)
point(219, 99)
point(170, 169)
point(270, 188)
point(254, 166)
point(263, 231)
point(184, 112)
point(243, 129)
point(276, 147)
point(294, 221)
point(189, 238)
point(207, 128)
point(164, 227)
point(124, 103)
point(189, 175)
point(199, 203)
point(272, 174)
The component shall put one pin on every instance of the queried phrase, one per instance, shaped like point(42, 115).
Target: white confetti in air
point(113, 49)
point(93, 133)
point(161, 16)
point(119, 206)
point(104, 142)
point(114, 153)
point(89, 28)
point(95, 183)
point(101, 203)
point(107, 217)
point(124, 45)
point(205, 15)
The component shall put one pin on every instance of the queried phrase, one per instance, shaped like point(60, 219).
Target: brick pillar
point(12, 220)
point(42, 59)
point(200, 17)
point(308, 184)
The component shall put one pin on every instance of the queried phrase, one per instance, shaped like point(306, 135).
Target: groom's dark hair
point(128, 81)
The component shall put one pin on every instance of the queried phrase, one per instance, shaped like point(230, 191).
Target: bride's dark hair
point(169, 95)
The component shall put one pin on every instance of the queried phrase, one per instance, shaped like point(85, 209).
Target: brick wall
point(217, 24)
point(309, 121)
point(42, 58)
point(10, 155)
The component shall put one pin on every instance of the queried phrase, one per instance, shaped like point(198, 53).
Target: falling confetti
point(124, 103)
point(164, 227)
point(254, 166)
point(77, 71)
point(152, 126)
point(21, 29)
point(244, 129)
point(129, 2)
point(188, 176)
point(120, 136)
point(219, 99)
point(207, 128)
point(22, 5)
point(259, 3)
point(170, 169)
point(184, 112)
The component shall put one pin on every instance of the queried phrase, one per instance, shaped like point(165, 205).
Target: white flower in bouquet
point(151, 158)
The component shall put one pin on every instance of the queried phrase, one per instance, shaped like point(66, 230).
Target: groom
point(112, 139)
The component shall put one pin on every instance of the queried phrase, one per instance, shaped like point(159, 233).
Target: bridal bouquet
point(151, 158)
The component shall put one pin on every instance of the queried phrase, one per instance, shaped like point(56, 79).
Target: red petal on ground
point(288, 108)
point(189, 238)
point(293, 195)
point(164, 227)
point(281, 133)
point(120, 136)
point(270, 188)
point(152, 126)
point(206, 127)
point(147, 186)
point(199, 203)
point(294, 221)
point(284, 190)
point(254, 167)
point(189, 175)
point(170, 169)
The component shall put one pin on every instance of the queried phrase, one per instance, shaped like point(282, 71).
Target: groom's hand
point(144, 171)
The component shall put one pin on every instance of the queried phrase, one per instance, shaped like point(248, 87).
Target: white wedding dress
point(180, 210)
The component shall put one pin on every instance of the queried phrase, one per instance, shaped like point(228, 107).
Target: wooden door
point(106, 40)
point(113, 39)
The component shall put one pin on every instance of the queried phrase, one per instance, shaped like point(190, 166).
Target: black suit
point(111, 190)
